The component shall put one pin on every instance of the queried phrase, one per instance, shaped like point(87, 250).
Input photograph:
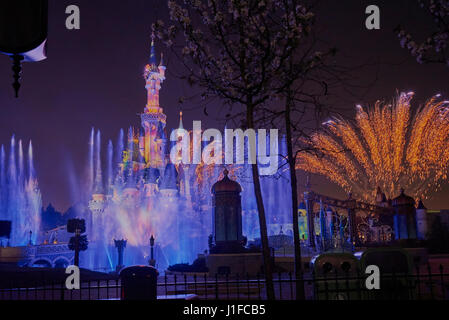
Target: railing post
point(238, 286)
point(117, 289)
point(247, 284)
point(185, 284)
point(205, 285)
point(227, 285)
point(194, 281)
point(165, 282)
point(216, 286)
point(418, 282)
point(176, 288)
point(359, 287)
point(326, 287)
point(348, 290)
point(337, 288)
point(430, 280)
point(291, 284)
point(442, 282)
point(107, 289)
point(409, 287)
point(394, 284)
point(280, 286)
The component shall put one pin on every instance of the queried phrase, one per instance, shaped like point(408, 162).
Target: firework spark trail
point(387, 146)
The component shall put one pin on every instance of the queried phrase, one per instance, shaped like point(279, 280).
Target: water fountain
point(20, 197)
point(133, 201)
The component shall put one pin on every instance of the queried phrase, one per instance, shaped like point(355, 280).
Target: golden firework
point(386, 146)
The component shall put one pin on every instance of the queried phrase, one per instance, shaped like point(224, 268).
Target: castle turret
point(151, 176)
point(404, 217)
point(130, 191)
point(153, 119)
point(378, 195)
point(181, 126)
point(421, 221)
point(169, 185)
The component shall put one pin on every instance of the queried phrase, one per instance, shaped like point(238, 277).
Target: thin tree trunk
point(294, 190)
point(77, 248)
point(262, 219)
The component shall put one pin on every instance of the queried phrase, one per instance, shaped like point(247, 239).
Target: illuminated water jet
point(21, 201)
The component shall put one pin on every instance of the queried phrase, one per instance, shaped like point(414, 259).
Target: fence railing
point(421, 285)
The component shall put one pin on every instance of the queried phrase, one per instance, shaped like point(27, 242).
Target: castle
point(141, 193)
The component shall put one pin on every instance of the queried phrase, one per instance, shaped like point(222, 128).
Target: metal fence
point(423, 284)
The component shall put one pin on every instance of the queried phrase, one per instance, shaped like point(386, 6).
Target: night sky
point(93, 78)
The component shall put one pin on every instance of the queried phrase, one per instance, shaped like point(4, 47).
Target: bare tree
point(237, 50)
point(434, 48)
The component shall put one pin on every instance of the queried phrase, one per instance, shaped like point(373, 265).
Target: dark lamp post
point(152, 261)
point(120, 245)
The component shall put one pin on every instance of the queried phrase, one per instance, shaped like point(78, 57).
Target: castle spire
point(153, 119)
point(180, 120)
point(152, 52)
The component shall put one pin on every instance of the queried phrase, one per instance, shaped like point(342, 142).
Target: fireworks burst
point(386, 146)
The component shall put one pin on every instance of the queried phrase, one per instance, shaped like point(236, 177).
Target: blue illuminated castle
point(138, 192)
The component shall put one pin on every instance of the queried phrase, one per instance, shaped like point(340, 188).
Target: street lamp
point(152, 261)
point(120, 245)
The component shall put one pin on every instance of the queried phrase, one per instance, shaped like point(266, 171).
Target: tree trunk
point(293, 183)
point(77, 248)
point(262, 219)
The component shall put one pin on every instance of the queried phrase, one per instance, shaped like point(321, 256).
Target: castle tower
point(151, 176)
point(378, 196)
point(404, 217)
point(153, 119)
point(381, 199)
point(421, 221)
point(169, 184)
